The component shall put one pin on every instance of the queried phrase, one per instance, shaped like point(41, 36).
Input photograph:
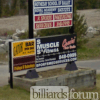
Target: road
point(4, 69)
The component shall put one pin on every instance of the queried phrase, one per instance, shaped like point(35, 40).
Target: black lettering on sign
point(26, 48)
point(29, 43)
point(18, 49)
point(31, 48)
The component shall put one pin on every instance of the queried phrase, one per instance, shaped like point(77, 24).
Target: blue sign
point(55, 50)
point(52, 10)
point(52, 3)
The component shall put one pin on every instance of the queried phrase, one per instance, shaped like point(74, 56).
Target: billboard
point(52, 13)
point(55, 50)
point(23, 55)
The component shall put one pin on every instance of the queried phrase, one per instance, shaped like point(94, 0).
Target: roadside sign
point(23, 55)
point(52, 13)
point(55, 50)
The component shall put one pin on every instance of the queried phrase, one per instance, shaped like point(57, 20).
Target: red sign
point(62, 16)
point(53, 21)
point(63, 23)
point(23, 63)
point(44, 18)
point(43, 25)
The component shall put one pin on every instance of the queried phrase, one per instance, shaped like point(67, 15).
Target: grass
point(13, 94)
point(90, 50)
point(20, 94)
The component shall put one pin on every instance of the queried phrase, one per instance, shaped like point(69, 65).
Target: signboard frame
point(27, 40)
point(53, 21)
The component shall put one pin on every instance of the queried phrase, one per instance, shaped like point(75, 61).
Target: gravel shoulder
point(92, 17)
point(13, 23)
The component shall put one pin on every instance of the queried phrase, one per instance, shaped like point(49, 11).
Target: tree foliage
point(80, 25)
point(1, 7)
point(87, 4)
point(22, 5)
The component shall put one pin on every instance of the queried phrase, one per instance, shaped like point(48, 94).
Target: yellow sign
point(23, 48)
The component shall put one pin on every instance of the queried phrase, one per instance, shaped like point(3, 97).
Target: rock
point(91, 32)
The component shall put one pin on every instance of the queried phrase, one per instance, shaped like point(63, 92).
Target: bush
point(24, 36)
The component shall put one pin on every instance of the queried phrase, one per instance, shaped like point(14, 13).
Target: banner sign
point(55, 50)
point(23, 55)
point(52, 13)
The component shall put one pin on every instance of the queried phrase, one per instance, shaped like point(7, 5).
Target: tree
point(87, 4)
point(1, 7)
point(23, 4)
point(80, 24)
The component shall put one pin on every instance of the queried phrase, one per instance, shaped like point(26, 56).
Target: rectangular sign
point(23, 55)
point(50, 13)
point(55, 50)
point(23, 48)
point(52, 3)
point(39, 11)
point(43, 52)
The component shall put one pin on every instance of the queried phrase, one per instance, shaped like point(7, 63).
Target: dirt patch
point(55, 72)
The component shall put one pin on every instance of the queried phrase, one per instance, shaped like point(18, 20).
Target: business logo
point(68, 44)
point(60, 93)
point(49, 92)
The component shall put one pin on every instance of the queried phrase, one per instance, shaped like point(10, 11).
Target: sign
point(55, 50)
point(52, 13)
point(23, 55)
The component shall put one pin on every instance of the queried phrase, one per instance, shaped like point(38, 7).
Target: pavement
point(4, 69)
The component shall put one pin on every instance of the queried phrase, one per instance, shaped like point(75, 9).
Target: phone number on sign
point(64, 56)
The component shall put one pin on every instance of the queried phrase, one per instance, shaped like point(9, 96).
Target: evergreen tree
point(80, 28)
point(80, 24)
point(1, 7)
point(23, 4)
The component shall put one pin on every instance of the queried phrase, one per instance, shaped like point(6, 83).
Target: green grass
point(90, 50)
point(13, 94)
point(20, 94)
point(88, 53)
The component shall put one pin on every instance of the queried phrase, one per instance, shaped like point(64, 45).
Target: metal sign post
point(30, 12)
point(10, 66)
point(30, 73)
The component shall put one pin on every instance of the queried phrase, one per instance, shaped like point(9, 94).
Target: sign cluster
point(52, 13)
point(43, 52)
